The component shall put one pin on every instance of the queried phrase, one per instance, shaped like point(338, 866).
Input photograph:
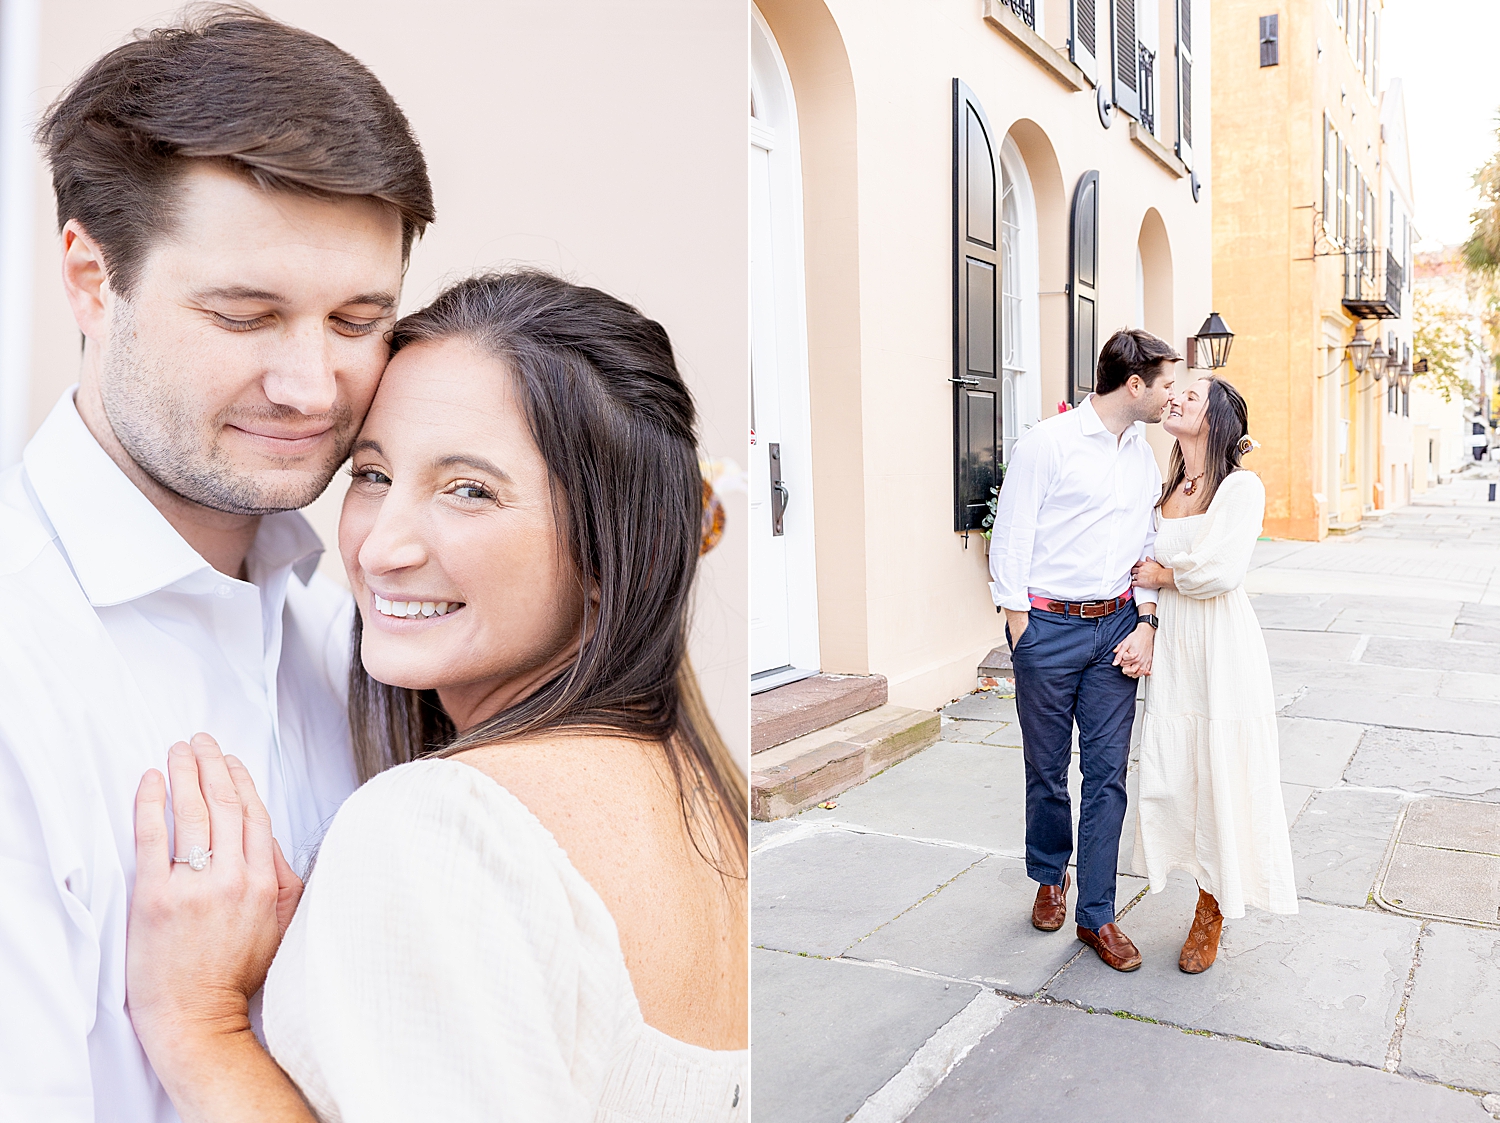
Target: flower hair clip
point(1248, 444)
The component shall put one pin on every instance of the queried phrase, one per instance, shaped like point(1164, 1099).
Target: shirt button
point(224, 591)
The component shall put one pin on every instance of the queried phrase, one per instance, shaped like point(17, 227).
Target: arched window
point(1020, 327)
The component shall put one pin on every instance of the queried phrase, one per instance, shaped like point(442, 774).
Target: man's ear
point(86, 282)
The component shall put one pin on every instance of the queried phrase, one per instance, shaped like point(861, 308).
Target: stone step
point(996, 664)
point(799, 708)
point(805, 771)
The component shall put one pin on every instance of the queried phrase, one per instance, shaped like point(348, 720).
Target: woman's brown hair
point(615, 424)
point(1228, 420)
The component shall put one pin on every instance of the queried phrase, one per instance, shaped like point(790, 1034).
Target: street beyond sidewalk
point(896, 974)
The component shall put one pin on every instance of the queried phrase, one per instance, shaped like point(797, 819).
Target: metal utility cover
point(1443, 862)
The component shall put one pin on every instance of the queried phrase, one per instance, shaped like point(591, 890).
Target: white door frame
point(19, 43)
point(774, 130)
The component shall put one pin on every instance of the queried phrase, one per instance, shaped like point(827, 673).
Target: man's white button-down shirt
point(1075, 511)
point(117, 639)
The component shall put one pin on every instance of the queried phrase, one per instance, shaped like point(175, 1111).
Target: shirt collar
point(119, 545)
point(1092, 425)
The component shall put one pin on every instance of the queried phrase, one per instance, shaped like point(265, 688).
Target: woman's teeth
point(415, 607)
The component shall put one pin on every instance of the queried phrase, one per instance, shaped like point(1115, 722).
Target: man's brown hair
point(225, 84)
point(1131, 351)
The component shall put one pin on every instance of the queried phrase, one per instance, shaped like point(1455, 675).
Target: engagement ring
point(197, 858)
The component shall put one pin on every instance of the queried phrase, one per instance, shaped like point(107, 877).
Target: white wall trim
point(19, 43)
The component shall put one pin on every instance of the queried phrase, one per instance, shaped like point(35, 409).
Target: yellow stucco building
point(1311, 245)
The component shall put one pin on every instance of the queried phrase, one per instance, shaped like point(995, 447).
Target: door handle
point(780, 496)
point(965, 381)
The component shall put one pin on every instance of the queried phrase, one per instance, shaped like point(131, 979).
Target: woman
point(1210, 792)
point(535, 907)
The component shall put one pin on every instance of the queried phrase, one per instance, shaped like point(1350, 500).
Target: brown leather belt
point(1088, 609)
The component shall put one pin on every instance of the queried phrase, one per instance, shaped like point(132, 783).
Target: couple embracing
point(533, 907)
point(1106, 576)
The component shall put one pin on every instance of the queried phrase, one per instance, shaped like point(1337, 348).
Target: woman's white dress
point(1210, 775)
point(448, 962)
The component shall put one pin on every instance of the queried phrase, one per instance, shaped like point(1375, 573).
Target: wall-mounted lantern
point(1377, 361)
point(1211, 342)
point(1404, 375)
point(1358, 349)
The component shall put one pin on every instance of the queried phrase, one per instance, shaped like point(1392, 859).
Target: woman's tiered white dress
point(1210, 776)
point(448, 962)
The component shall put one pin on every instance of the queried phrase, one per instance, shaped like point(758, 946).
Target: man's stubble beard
point(163, 431)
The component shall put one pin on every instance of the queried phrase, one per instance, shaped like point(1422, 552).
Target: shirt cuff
point(1012, 601)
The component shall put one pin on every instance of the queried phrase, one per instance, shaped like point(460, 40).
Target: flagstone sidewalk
point(896, 974)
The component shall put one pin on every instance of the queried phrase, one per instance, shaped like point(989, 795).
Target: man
point(1073, 517)
point(237, 200)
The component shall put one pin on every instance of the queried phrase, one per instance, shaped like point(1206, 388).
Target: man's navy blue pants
point(1065, 673)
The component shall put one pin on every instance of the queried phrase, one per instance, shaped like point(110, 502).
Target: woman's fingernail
point(182, 748)
point(203, 740)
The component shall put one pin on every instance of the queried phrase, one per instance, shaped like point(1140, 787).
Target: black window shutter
point(1083, 46)
point(976, 311)
point(1270, 46)
point(1083, 287)
point(1184, 21)
point(1126, 54)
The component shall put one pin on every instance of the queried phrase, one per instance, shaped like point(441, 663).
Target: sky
point(1444, 51)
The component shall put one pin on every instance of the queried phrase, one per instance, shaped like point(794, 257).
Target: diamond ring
point(197, 858)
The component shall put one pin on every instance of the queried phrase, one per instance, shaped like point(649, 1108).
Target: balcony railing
point(1373, 281)
point(1148, 89)
point(1026, 9)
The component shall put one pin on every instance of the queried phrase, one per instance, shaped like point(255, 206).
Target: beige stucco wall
point(907, 585)
point(600, 140)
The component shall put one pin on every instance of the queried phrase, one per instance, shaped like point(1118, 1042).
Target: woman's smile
point(414, 608)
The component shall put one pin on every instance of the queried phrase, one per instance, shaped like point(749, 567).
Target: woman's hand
point(199, 942)
point(1150, 574)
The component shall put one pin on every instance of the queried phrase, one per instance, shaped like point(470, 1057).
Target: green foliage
point(994, 505)
point(1445, 337)
point(1482, 250)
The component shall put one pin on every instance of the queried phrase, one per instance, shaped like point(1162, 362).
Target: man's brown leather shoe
point(1051, 907)
point(1113, 946)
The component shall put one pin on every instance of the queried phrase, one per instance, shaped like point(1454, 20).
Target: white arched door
point(783, 594)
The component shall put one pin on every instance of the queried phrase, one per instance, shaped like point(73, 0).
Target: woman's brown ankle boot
point(1202, 945)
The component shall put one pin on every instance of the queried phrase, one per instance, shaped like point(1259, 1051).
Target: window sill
point(1157, 151)
point(998, 15)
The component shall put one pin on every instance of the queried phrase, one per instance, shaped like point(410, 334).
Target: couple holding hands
point(534, 904)
point(1107, 577)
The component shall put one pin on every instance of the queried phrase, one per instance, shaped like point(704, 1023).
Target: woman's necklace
point(1192, 482)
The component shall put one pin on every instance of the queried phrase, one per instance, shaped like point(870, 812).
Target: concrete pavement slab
point(1399, 711)
point(1340, 841)
point(1327, 980)
point(979, 928)
point(1316, 677)
point(1454, 1010)
point(1470, 684)
point(1442, 655)
point(1294, 798)
point(762, 832)
point(821, 893)
point(974, 794)
point(1284, 645)
point(973, 732)
point(1008, 735)
point(983, 705)
point(1484, 633)
point(1295, 613)
point(1314, 752)
point(1426, 619)
point(1417, 761)
point(826, 1035)
point(1055, 1064)
point(1480, 614)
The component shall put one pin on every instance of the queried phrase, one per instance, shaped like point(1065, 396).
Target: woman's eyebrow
point(472, 462)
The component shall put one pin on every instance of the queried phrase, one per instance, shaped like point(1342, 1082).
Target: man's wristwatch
point(1148, 618)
